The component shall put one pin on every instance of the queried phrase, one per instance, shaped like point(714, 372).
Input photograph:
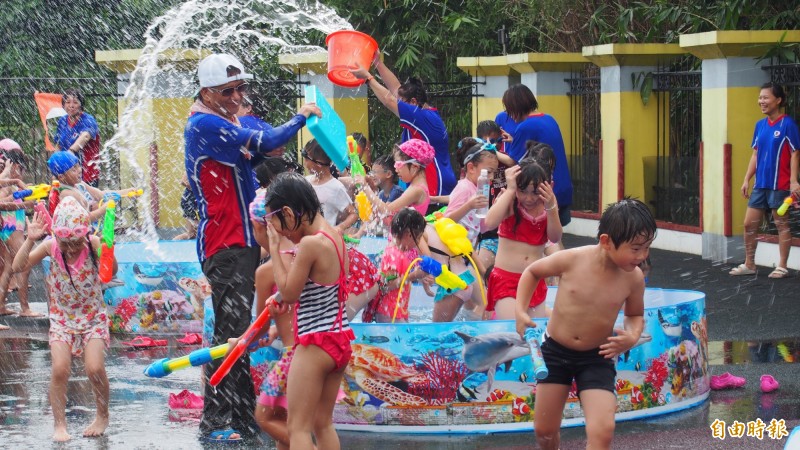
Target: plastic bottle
point(787, 202)
point(483, 189)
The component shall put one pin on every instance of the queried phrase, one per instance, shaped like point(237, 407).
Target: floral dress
point(396, 262)
point(77, 310)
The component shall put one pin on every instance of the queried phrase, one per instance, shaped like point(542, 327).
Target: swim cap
point(61, 161)
point(9, 144)
point(419, 150)
point(70, 215)
point(258, 207)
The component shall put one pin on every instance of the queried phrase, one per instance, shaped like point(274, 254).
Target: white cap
point(213, 70)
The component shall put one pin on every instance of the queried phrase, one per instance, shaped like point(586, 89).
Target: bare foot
point(30, 313)
point(61, 435)
point(97, 428)
point(7, 312)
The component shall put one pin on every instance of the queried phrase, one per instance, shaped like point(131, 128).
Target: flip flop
point(779, 272)
point(191, 339)
point(223, 436)
point(145, 342)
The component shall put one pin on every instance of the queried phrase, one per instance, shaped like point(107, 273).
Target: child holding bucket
point(580, 342)
point(526, 216)
point(315, 283)
point(78, 321)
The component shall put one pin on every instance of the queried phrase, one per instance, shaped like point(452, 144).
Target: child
point(315, 283)
point(465, 200)
point(411, 158)
point(527, 216)
point(337, 208)
point(78, 321)
point(408, 243)
point(544, 155)
point(580, 341)
point(386, 179)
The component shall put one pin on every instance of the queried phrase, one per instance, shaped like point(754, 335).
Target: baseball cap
point(213, 70)
point(61, 161)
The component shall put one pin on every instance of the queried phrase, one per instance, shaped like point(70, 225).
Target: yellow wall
point(558, 107)
point(172, 114)
point(638, 125)
point(485, 108)
point(610, 125)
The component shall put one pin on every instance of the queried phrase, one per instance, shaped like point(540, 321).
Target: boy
point(580, 341)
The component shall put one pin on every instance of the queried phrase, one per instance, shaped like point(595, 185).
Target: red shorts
point(503, 283)
point(335, 343)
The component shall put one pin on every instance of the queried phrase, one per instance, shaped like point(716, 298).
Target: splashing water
point(255, 31)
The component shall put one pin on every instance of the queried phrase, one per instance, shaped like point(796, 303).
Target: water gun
point(436, 215)
point(449, 281)
point(37, 192)
point(107, 243)
point(136, 193)
point(166, 366)
point(42, 210)
point(248, 337)
point(351, 240)
point(363, 206)
point(356, 168)
point(539, 367)
point(785, 206)
point(54, 198)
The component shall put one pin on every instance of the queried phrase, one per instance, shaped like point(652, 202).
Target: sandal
point(740, 270)
point(779, 272)
point(223, 436)
point(191, 339)
point(145, 342)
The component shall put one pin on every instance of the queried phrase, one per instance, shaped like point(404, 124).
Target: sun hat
point(61, 161)
point(419, 150)
point(213, 70)
point(9, 144)
point(70, 215)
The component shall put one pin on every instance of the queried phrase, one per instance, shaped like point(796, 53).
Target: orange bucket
point(346, 48)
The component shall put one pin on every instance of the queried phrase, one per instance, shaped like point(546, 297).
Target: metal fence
point(678, 91)
point(584, 160)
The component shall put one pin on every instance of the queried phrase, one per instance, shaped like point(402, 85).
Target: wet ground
point(753, 328)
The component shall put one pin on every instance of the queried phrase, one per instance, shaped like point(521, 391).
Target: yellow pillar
point(494, 75)
point(151, 154)
point(350, 104)
point(731, 82)
point(628, 127)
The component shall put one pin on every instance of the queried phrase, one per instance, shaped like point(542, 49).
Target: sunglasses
point(243, 89)
point(76, 232)
point(399, 164)
point(304, 154)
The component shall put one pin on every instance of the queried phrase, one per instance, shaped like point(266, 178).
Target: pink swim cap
point(9, 144)
point(419, 150)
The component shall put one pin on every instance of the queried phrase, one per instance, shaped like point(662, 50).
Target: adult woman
point(78, 132)
point(774, 162)
point(521, 106)
point(419, 120)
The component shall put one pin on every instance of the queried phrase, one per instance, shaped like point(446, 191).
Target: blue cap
point(61, 161)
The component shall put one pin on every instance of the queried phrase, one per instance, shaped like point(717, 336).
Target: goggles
point(399, 164)
point(76, 232)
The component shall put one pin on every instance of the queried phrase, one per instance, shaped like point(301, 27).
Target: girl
point(384, 178)
point(527, 216)
point(774, 163)
point(411, 158)
point(78, 321)
point(337, 208)
point(465, 200)
point(408, 243)
point(315, 283)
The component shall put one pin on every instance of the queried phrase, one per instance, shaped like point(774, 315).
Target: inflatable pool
point(423, 377)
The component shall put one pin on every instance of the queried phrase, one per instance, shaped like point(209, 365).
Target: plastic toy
point(539, 367)
point(54, 198)
point(166, 366)
point(436, 215)
point(346, 48)
point(787, 202)
point(328, 130)
point(363, 206)
point(107, 243)
point(442, 275)
point(37, 192)
point(454, 236)
point(248, 336)
point(351, 240)
point(356, 168)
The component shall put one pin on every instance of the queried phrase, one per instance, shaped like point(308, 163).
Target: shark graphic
point(485, 352)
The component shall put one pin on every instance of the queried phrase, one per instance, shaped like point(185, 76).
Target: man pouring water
point(219, 158)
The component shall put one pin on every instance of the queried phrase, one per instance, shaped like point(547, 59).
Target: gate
point(678, 91)
point(584, 159)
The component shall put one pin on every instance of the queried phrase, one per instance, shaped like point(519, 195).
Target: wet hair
point(413, 88)
point(626, 220)
point(91, 255)
point(777, 91)
point(360, 139)
point(519, 101)
point(16, 156)
point(541, 153)
point(295, 192)
point(531, 172)
point(316, 152)
point(408, 220)
point(270, 168)
point(387, 162)
point(488, 127)
point(476, 149)
point(72, 92)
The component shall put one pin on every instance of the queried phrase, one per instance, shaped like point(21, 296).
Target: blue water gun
point(449, 281)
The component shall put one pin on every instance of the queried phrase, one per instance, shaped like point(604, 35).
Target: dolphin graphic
point(485, 352)
point(671, 328)
point(643, 339)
